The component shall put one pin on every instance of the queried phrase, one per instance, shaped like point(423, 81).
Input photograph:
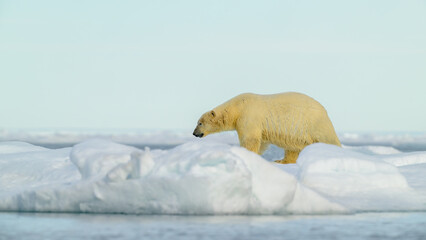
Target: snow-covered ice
point(207, 177)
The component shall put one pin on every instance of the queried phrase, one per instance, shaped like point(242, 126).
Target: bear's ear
point(213, 113)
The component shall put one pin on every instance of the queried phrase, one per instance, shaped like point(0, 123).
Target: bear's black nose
point(198, 135)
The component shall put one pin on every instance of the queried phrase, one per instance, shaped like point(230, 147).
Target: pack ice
point(100, 176)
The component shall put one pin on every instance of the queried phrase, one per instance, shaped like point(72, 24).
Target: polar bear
point(289, 120)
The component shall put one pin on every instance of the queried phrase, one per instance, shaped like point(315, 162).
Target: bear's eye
point(200, 124)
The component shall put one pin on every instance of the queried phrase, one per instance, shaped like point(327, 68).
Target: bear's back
point(293, 99)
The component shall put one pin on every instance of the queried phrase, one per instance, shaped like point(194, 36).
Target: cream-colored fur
point(288, 120)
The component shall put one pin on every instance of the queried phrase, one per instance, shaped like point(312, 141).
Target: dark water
point(37, 226)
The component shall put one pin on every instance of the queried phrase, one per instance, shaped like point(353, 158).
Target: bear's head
point(209, 123)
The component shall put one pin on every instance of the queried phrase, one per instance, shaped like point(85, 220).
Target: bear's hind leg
point(290, 157)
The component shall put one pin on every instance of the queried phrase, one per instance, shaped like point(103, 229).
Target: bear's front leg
point(251, 143)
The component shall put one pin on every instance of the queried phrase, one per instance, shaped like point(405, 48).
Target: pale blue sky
point(161, 64)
